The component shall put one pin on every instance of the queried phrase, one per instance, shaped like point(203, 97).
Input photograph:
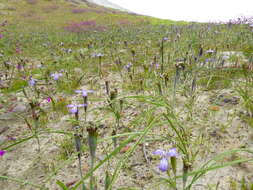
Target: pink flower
point(18, 50)
point(2, 152)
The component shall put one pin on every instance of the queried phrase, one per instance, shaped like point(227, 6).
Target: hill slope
point(57, 15)
point(107, 4)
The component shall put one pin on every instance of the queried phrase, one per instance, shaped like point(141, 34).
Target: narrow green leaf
point(107, 180)
point(62, 185)
point(151, 123)
point(22, 182)
point(113, 153)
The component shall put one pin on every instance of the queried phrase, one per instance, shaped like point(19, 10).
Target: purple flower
point(160, 153)
point(97, 55)
point(172, 152)
point(18, 50)
point(1, 36)
point(49, 99)
point(89, 25)
point(2, 152)
point(19, 66)
point(84, 92)
point(128, 66)
point(56, 76)
point(74, 107)
point(32, 82)
point(12, 138)
point(163, 166)
point(80, 10)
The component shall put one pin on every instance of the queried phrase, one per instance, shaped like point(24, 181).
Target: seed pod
point(77, 114)
point(107, 88)
point(186, 168)
point(78, 143)
point(114, 139)
point(193, 84)
point(92, 141)
point(173, 161)
point(133, 52)
point(159, 88)
point(200, 51)
point(113, 94)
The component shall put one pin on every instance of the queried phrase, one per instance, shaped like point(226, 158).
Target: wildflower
point(18, 50)
point(97, 55)
point(84, 92)
point(32, 82)
point(8, 64)
point(69, 50)
point(12, 138)
point(225, 57)
point(49, 99)
point(19, 66)
point(210, 60)
point(74, 107)
point(2, 152)
point(80, 10)
point(1, 36)
point(163, 166)
point(56, 75)
point(128, 66)
point(100, 55)
point(172, 152)
point(210, 51)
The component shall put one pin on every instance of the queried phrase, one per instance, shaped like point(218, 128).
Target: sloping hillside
point(61, 14)
point(107, 4)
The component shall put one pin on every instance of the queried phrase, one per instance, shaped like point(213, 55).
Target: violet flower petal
point(172, 152)
point(84, 92)
point(73, 110)
point(81, 105)
point(32, 82)
point(159, 152)
point(78, 91)
point(2, 152)
point(163, 166)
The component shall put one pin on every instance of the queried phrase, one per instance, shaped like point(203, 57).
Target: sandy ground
point(216, 118)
